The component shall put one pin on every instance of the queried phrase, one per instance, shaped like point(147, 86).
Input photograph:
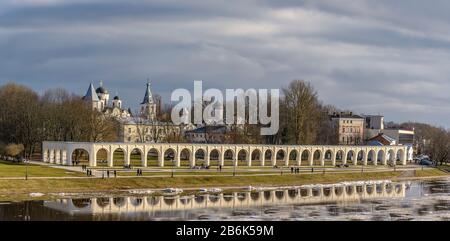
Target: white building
point(374, 126)
point(99, 99)
point(350, 128)
point(374, 122)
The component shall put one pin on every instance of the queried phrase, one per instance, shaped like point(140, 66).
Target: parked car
point(426, 162)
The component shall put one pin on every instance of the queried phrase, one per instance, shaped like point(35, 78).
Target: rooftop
point(349, 115)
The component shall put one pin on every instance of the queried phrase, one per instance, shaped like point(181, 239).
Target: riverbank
point(14, 190)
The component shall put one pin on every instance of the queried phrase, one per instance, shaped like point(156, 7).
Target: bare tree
point(300, 113)
point(28, 119)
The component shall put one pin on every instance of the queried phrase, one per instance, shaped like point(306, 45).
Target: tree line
point(27, 119)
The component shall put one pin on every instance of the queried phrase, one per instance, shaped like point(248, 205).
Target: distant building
point(142, 128)
point(381, 140)
point(375, 131)
point(402, 137)
point(374, 122)
point(144, 131)
point(350, 128)
point(374, 125)
point(207, 134)
point(99, 100)
point(148, 105)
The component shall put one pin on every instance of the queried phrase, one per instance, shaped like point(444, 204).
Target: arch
point(136, 157)
point(379, 188)
point(185, 200)
point(400, 157)
point(351, 157)
point(80, 156)
point(268, 158)
point(279, 195)
point(371, 157)
point(315, 191)
point(327, 191)
point(103, 202)
point(185, 157)
point(46, 156)
point(153, 157)
point(102, 157)
point(136, 201)
point(349, 190)
point(81, 202)
point(214, 198)
point(293, 156)
point(317, 158)
point(119, 155)
point(214, 156)
point(267, 195)
point(169, 201)
point(200, 199)
point(339, 157)
point(241, 196)
point(200, 157)
point(370, 189)
point(292, 193)
point(228, 157)
point(304, 159)
point(280, 158)
point(169, 157)
point(338, 191)
point(242, 157)
point(381, 157)
point(360, 189)
point(255, 196)
point(153, 200)
point(389, 187)
point(328, 157)
point(256, 157)
point(119, 201)
point(303, 192)
point(391, 157)
point(360, 157)
point(228, 197)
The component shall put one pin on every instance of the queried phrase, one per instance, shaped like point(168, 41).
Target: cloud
point(388, 57)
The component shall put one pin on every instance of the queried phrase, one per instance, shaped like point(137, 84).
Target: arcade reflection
point(304, 195)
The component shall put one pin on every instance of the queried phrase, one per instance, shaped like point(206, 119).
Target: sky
point(372, 57)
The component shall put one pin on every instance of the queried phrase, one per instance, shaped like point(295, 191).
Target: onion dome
point(101, 89)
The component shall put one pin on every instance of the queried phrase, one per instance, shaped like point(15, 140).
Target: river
point(380, 200)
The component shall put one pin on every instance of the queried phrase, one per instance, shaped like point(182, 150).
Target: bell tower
point(148, 105)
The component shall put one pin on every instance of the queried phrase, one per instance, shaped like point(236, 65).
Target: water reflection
point(314, 194)
point(421, 200)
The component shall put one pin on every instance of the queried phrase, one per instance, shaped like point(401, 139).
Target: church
point(141, 127)
point(99, 99)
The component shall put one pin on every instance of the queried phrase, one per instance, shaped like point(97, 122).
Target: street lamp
point(26, 170)
point(173, 166)
point(234, 168)
point(26, 165)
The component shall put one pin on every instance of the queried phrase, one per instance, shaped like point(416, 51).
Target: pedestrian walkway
point(95, 173)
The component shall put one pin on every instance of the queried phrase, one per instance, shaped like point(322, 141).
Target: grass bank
point(9, 169)
point(18, 189)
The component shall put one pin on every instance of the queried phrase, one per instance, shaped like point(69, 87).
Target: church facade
point(99, 100)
